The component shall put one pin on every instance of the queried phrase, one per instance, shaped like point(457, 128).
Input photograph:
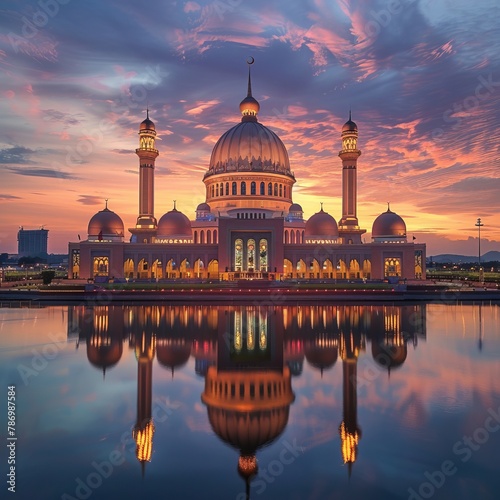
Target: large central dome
point(249, 146)
point(249, 167)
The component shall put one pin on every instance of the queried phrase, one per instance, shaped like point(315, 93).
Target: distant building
point(32, 242)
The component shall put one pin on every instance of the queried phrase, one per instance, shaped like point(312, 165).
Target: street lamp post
point(479, 225)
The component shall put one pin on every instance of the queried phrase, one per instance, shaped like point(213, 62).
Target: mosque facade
point(248, 227)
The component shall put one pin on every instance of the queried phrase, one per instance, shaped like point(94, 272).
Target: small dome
point(295, 207)
point(321, 357)
point(174, 223)
point(389, 225)
point(322, 224)
point(203, 207)
point(349, 126)
point(389, 355)
point(105, 223)
point(249, 106)
point(147, 124)
point(172, 353)
point(104, 356)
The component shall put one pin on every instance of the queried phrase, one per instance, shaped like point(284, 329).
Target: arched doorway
point(301, 269)
point(341, 270)
point(287, 268)
point(143, 269)
point(199, 268)
point(185, 269)
point(367, 269)
point(213, 269)
point(327, 269)
point(354, 269)
point(314, 269)
point(128, 268)
point(156, 269)
point(171, 269)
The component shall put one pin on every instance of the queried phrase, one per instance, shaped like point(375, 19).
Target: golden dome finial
point(249, 107)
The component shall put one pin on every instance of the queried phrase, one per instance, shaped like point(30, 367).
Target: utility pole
point(479, 225)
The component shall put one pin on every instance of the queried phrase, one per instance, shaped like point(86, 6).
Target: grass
point(462, 275)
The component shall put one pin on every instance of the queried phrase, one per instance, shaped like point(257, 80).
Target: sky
point(422, 78)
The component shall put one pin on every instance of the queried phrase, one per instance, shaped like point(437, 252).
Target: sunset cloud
point(423, 88)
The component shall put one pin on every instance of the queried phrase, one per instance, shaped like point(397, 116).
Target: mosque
point(248, 227)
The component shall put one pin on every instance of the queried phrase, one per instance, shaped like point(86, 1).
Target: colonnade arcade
point(252, 257)
point(170, 268)
point(327, 269)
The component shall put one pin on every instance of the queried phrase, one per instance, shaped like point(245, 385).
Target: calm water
point(297, 402)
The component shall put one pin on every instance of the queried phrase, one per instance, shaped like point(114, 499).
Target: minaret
point(348, 226)
point(145, 229)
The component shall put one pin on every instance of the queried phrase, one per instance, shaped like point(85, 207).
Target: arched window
point(227, 188)
point(213, 190)
point(209, 236)
point(202, 236)
point(221, 189)
point(275, 189)
point(281, 190)
point(263, 265)
point(215, 236)
point(253, 188)
point(262, 188)
point(196, 236)
point(243, 187)
point(251, 255)
point(270, 189)
point(238, 255)
point(101, 266)
point(233, 189)
point(217, 190)
point(284, 191)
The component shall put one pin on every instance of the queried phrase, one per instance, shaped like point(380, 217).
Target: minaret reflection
point(248, 392)
point(144, 427)
point(353, 323)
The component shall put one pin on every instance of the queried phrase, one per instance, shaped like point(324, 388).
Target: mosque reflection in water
point(248, 356)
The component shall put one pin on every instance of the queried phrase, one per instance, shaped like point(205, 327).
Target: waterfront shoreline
point(267, 295)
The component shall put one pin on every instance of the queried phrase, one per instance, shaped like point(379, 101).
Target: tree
point(47, 276)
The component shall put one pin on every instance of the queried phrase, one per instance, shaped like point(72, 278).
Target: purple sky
point(422, 78)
